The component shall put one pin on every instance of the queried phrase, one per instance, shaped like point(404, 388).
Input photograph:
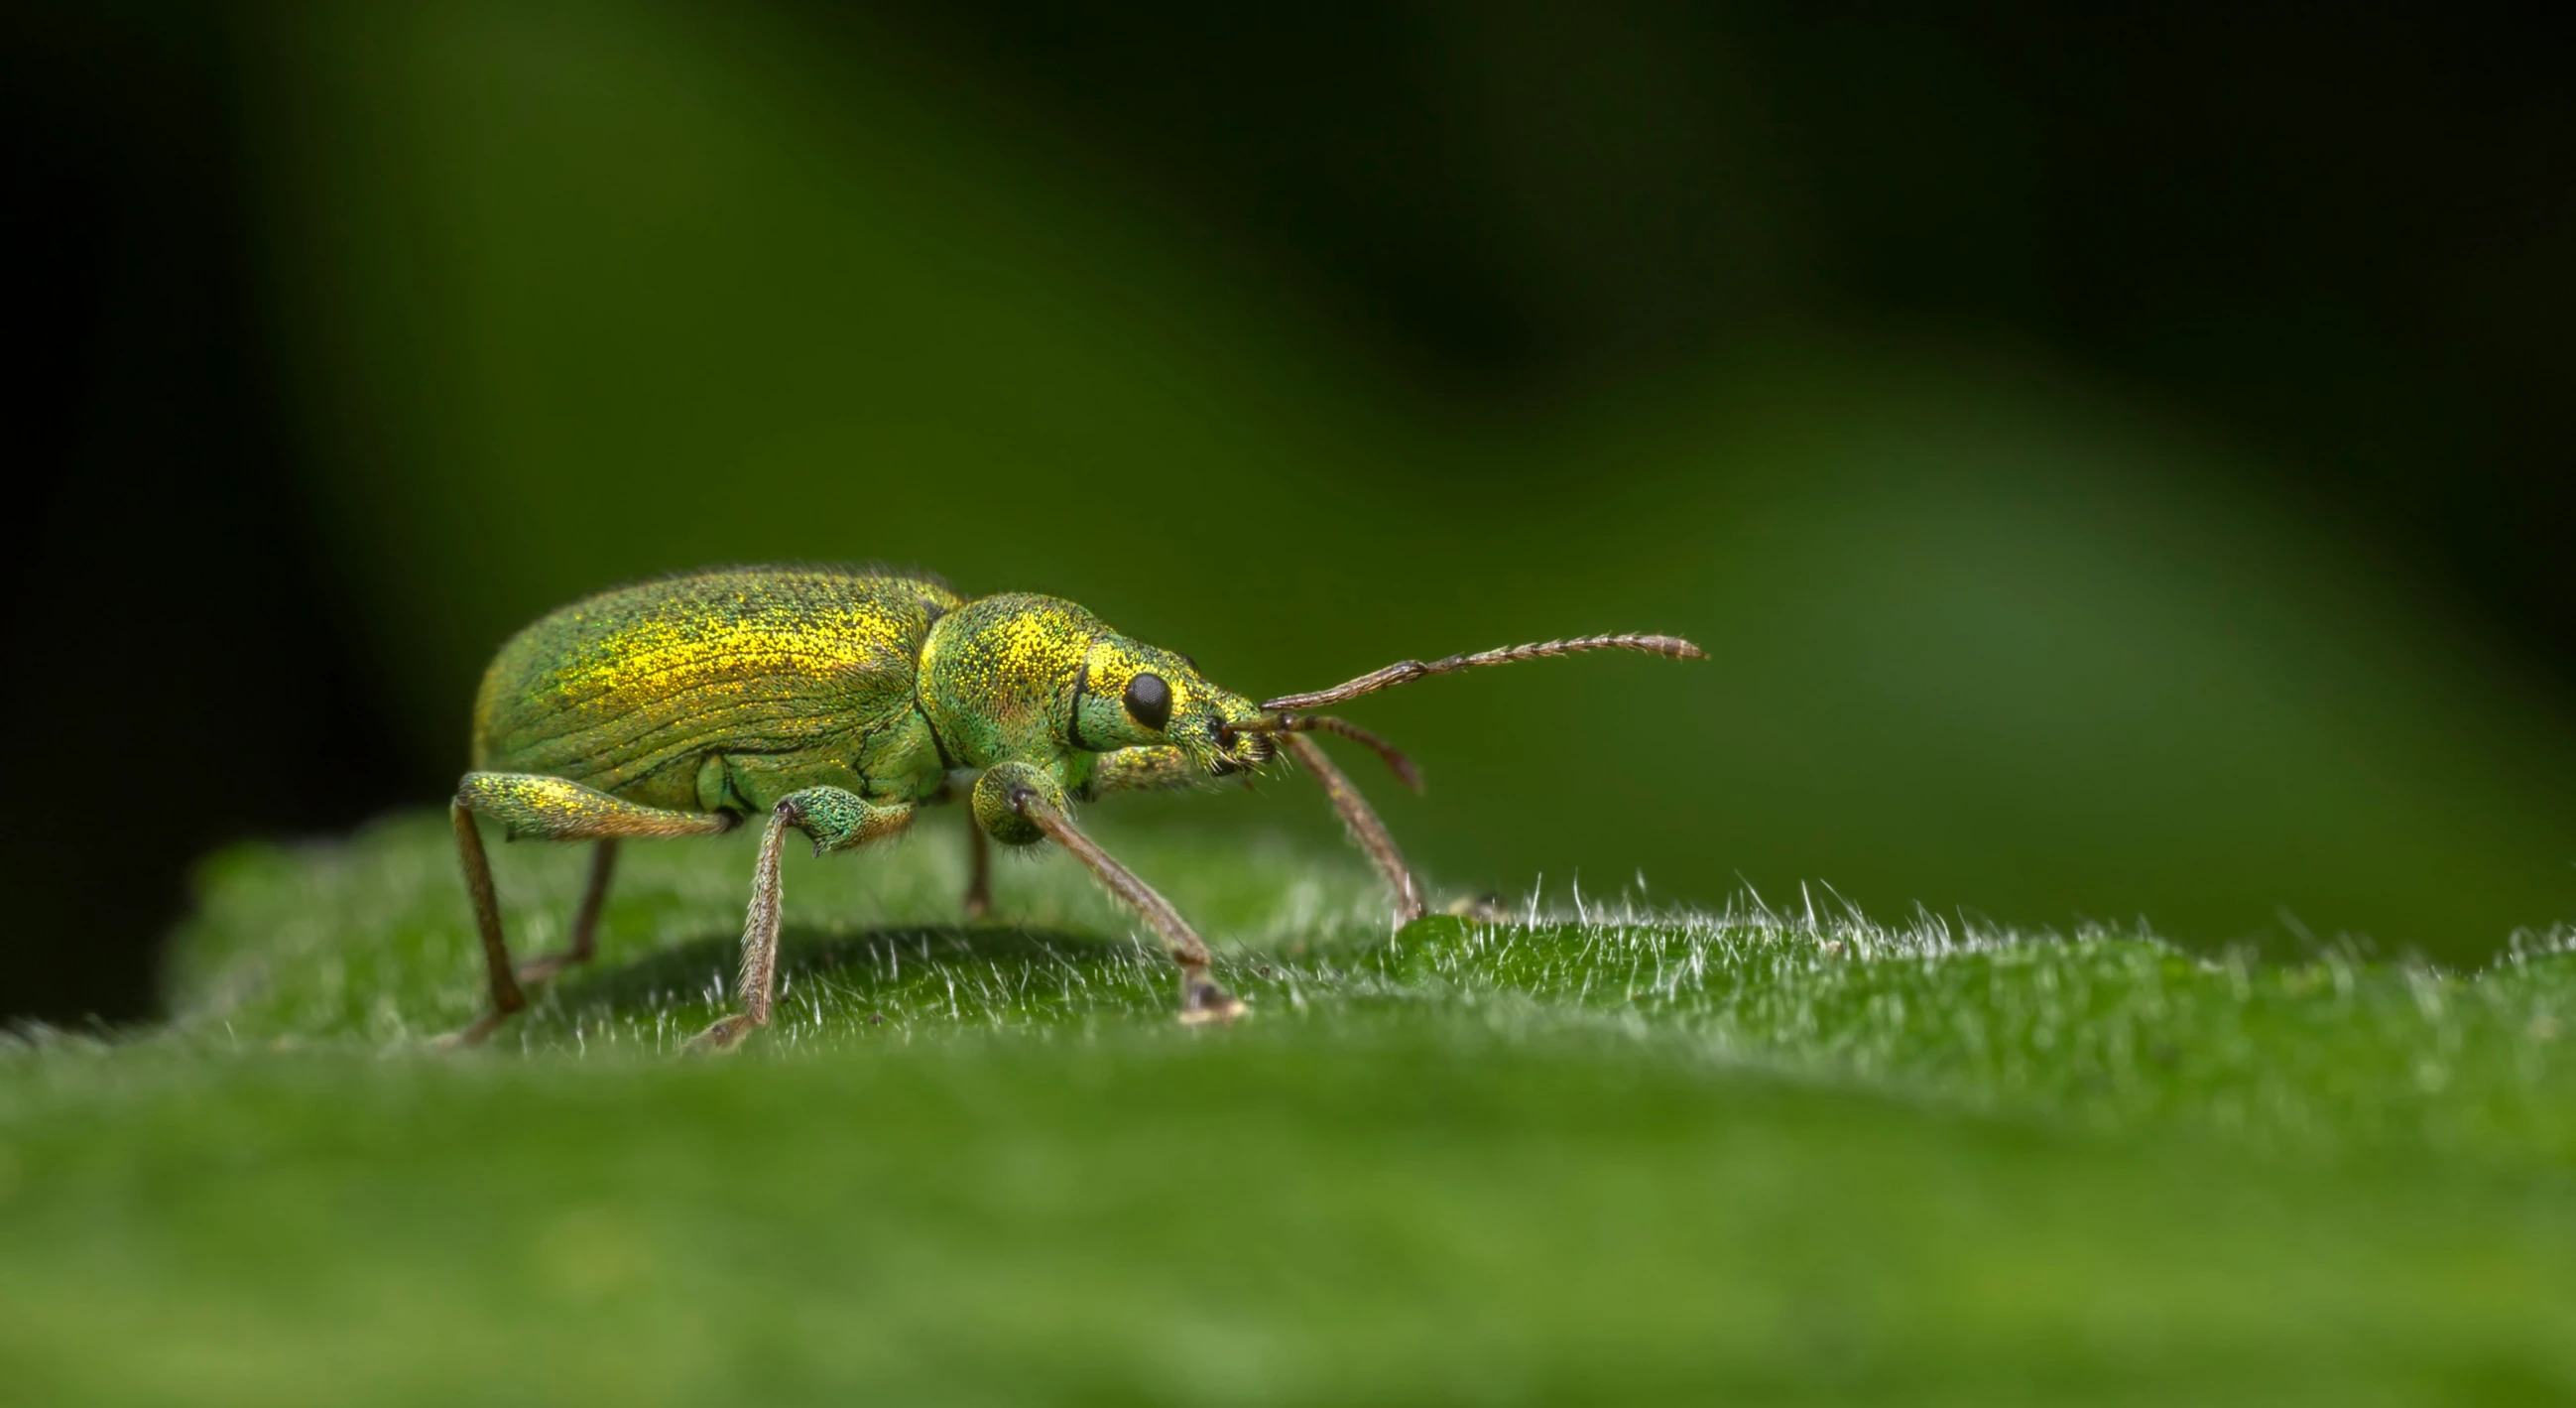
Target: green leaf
point(1611, 1154)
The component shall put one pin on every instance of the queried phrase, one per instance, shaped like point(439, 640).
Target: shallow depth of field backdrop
point(2113, 463)
point(2118, 467)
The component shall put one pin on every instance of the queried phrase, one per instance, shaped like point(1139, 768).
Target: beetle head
point(1132, 694)
point(1028, 677)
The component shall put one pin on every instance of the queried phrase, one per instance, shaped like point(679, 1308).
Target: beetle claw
point(1203, 1003)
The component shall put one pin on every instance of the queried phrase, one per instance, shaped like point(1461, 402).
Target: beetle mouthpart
point(1387, 753)
point(1240, 747)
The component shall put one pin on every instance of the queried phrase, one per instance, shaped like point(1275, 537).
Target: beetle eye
point(1149, 700)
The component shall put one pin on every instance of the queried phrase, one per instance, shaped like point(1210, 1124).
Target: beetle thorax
point(998, 676)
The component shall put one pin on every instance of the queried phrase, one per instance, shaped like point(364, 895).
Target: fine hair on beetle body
point(838, 702)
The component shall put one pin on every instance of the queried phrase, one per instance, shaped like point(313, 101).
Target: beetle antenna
point(1388, 753)
point(1404, 671)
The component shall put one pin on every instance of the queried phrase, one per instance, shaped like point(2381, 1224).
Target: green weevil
point(837, 703)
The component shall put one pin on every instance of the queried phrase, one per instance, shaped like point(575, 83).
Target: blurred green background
point(2117, 465)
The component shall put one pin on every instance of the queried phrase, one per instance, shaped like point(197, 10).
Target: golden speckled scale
point(798, 677)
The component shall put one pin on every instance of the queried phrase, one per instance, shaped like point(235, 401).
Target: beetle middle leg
point(551, 809)
point(836, 819)
point(1020, 804)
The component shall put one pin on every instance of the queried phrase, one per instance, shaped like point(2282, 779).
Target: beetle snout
point(1238, 751)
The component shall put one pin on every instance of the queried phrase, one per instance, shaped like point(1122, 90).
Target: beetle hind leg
point(546, 808)
point(507, 1000)
point(585, 921)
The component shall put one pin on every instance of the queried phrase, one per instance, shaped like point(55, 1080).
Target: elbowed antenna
point(1280, 719)
point(1402, 671)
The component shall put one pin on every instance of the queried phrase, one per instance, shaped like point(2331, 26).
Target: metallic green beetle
point(836, 702)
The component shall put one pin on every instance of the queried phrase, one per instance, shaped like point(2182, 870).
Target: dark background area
point(2346, 241)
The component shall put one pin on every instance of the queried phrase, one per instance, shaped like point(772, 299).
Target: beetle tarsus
point(722, 1036)
point(472, 1035)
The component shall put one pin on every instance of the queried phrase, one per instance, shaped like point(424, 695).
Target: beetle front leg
point(836, 820)
point(1158, 768)
point(1021, 805)
point(1153, 769)
point(1361, 820)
